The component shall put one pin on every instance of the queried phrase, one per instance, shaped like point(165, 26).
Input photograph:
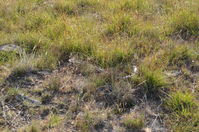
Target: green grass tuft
point(122, 25)
point(6, 57)
point(133, 123)
point(54, 120)
point(181, 104)
point(184, 23)
point(153, 82)
point(183, 110)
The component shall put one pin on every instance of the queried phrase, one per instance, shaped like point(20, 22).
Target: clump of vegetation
point(141, 6)
point(64, 7)
point(33, 21)
point(47, 61)
point(153, 82)
point(158, 61)
point(133, 123)
point(181, 56)
point(54, 84)
point(181, 104)
point(6, 57)
point(54, 120)
point(184, 111)
point(11, 94)
point(30, 63)
point(33, 127)
point(24, 65)
point(123, 95)
point(122, 25)
point(86, 124)
point(90, 121)
point(184, 23)
point(73, 7)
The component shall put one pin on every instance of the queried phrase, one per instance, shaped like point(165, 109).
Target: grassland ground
point(99, 65)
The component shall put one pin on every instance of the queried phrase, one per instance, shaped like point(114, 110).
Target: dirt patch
point(39, 94)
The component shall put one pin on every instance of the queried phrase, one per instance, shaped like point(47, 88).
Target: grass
point(181, 56)
point(30, 63)
point(111, 35)
point(140, 6)
point(64, 7)
point(34, 128)
point(6, 57)
point(184, 110)
point(181, 103)
point(54, 84)
point(91, 120)
point(25, 65)
point(184, 23)
point(86, 124)
point(54, 120)
point(153, 82)
point(133, 123)
point(11, 94)
point(121, 25)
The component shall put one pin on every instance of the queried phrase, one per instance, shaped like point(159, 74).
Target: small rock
point(173, 73)
point(11, 47)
